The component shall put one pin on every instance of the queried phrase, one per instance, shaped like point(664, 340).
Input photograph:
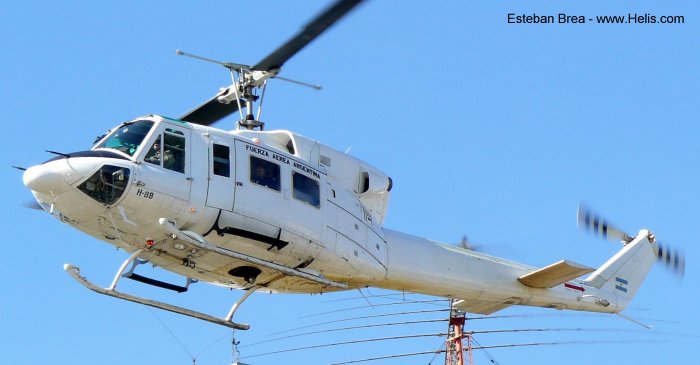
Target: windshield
point(128, 137)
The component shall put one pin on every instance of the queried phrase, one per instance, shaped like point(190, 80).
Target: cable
point(486, 353)
point(358, 318)
point(380, 296)
point(438, 352)
point(172, 334)
point(376, 305)
point(346, 329)
point(485, 347)
point(364, 296)
point(347, 343)
point(212, 344)
point(389, 357)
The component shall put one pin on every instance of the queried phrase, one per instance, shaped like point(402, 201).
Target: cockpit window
point(128, 137)
point(174, 150)
point(171, 153)
point(153, 155)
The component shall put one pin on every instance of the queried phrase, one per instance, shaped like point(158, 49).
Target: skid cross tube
point(122, 268)
point(240, 301)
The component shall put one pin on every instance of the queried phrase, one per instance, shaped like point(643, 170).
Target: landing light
point(179, 246)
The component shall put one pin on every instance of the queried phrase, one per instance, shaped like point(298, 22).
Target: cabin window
point(169, 154)
point(306, 189)
point(174, 150)
point(265, 173)
point(222, 165)
point(154, 153)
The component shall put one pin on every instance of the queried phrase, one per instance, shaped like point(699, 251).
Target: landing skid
point(111, 291)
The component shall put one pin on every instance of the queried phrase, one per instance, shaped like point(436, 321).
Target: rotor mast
point(246, 79)
point(243, 90)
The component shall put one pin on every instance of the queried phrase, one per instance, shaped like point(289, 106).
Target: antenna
point(454, 349)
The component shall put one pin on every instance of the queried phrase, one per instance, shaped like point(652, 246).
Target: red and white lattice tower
point(454, 349)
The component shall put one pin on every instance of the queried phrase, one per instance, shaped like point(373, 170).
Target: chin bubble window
point(107, 185)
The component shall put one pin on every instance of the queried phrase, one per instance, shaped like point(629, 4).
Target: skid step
point(135, 261)
point(154, 282)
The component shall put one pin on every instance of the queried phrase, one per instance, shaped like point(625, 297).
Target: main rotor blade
point(211, 110)
point(32, 205)
point(312, 30)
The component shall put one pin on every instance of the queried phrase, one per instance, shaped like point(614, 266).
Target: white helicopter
point(276, 211)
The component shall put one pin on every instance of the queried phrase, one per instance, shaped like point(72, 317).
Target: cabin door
point(259, 183)
point(167, 162)
point(221, 174)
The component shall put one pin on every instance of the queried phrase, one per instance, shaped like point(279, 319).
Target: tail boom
point(484, 284)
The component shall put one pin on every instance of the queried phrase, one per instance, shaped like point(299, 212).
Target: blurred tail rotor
point(673, 259)
point(591, 222)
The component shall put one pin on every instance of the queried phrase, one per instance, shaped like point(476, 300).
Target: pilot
point(154, 156)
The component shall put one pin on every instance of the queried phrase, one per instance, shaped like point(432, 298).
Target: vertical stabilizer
point(624, 273)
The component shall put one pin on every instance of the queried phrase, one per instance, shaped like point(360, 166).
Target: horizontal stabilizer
point(554, 274)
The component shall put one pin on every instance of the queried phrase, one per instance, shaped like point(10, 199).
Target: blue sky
point(488, 129)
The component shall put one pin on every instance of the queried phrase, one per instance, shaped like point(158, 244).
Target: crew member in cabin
point(262, 177)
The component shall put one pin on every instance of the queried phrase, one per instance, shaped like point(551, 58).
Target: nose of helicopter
point(45, 179)
point(101, 181)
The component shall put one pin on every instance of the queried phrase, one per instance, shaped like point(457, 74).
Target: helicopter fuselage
point(250, 192)
point(281, 199)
